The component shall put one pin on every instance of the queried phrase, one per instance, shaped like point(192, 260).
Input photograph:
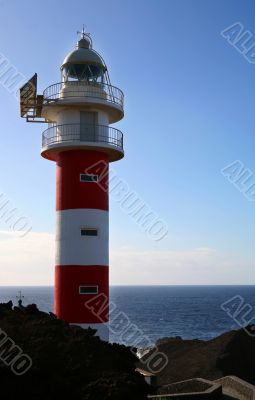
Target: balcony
point(81, 92)
point(76, 136)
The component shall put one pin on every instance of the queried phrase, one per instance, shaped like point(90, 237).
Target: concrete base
point(237, 388)
point(228, 387)
point(191, 389)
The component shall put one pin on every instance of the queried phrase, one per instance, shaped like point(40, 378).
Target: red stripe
point(71, 193)
point(70, 304)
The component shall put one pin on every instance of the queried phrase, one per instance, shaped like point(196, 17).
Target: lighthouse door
point(87, 126)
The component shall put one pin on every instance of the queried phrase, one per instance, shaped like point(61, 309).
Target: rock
point(6, 306)
point(32, 309)
point(232, 353)
point(67, 361)
point(239, 355)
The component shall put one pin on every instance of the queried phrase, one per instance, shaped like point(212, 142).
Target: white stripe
point(74, 249)
point(102, 330)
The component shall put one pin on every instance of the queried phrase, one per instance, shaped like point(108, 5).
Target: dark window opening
point(89, 232)
point(88, 178)
point(88, 290)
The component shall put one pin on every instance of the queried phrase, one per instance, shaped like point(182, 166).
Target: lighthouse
point(81, 140)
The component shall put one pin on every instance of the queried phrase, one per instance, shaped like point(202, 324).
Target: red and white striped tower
point(81, 141)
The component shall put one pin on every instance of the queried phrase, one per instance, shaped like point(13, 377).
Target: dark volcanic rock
point(232, 353)
point(68, 362)
point(239, 356)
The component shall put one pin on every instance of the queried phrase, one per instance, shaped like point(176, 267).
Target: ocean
point(161, 311)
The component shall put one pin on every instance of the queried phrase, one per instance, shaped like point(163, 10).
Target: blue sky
point(189, 112)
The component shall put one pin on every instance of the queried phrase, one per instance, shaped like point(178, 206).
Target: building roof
point(83, 54)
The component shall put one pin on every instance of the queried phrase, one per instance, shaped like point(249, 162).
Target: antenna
point(20, 297)
point(83, 33)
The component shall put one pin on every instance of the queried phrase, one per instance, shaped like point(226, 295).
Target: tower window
point(88, 289)
point(88, 178)
point(89, 232)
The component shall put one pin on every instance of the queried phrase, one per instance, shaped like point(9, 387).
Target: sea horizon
point(188, 311)
point(173, 285)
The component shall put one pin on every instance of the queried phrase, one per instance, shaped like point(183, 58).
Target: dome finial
point(85, 40)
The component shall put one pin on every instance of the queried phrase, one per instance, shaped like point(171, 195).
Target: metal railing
point(82, 133)
point(79, 89)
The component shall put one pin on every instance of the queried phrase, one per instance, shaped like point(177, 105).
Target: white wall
point(72, 116)
point(74, 249)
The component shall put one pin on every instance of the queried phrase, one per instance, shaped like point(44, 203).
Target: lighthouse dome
point(83, 63)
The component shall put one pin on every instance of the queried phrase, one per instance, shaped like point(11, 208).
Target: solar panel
point(28, 96)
